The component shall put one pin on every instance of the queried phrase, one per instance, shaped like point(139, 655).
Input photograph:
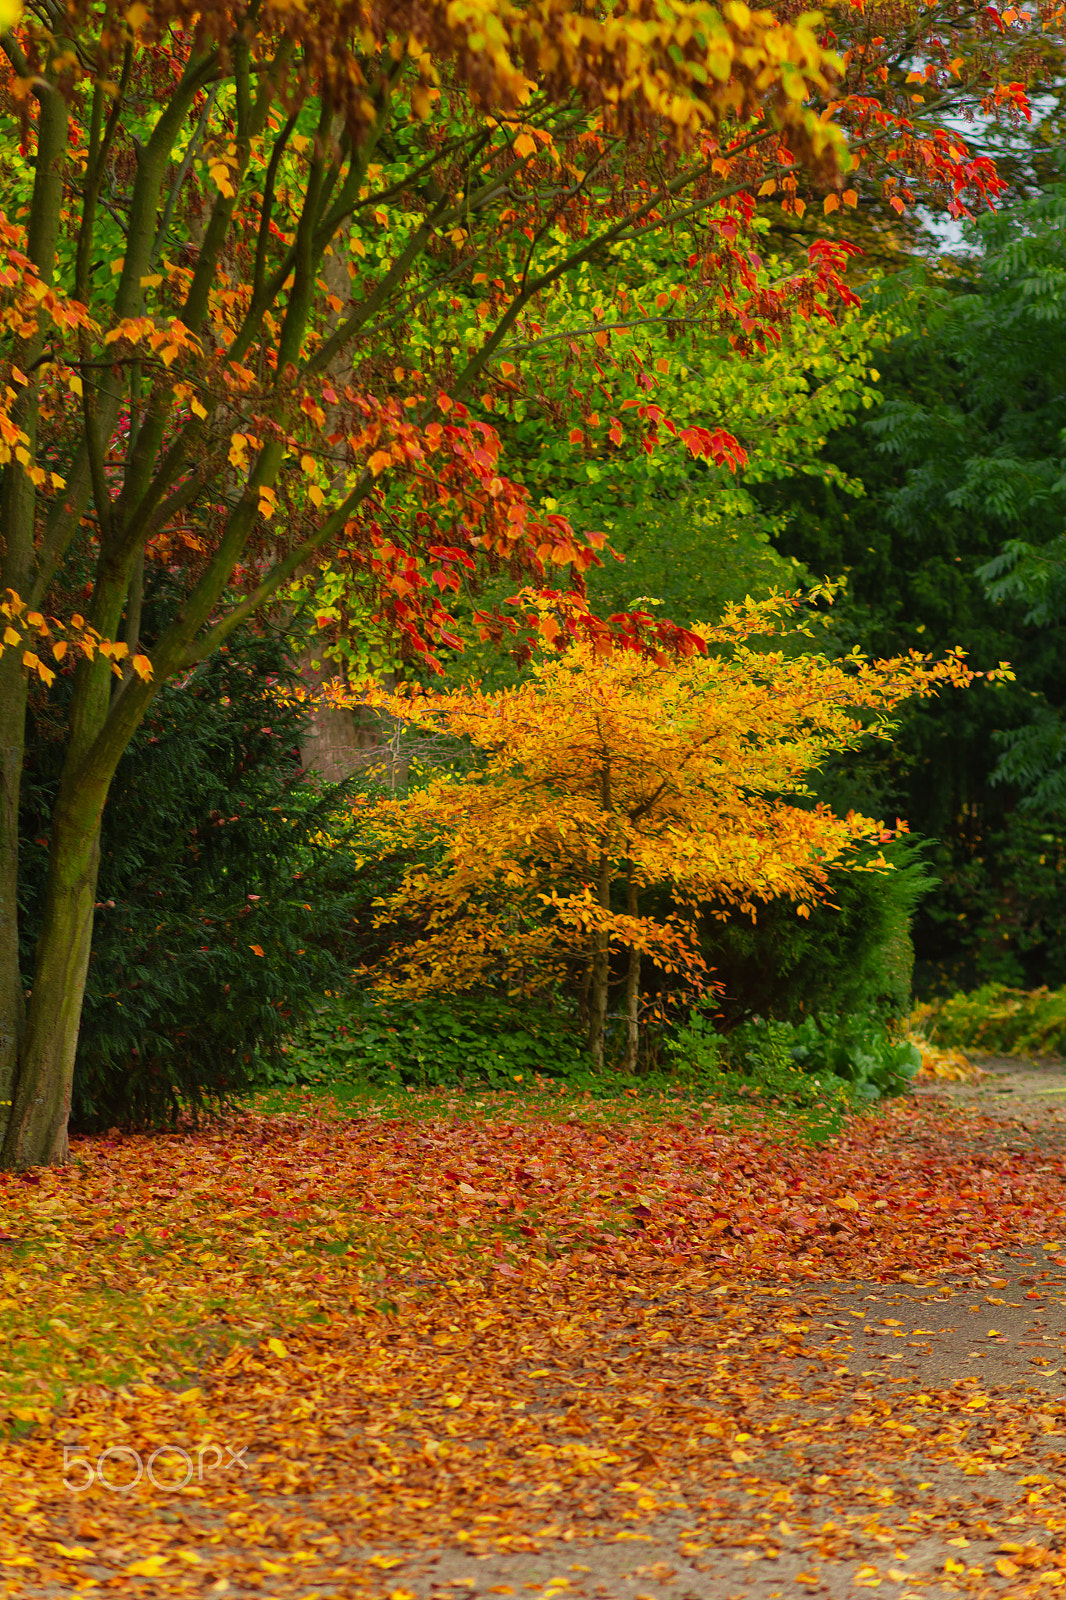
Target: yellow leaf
point(77, 1552)
point(142, 666)
point(850, 197)
point(1006, 1567)
point(315, 495)
point(197, 409)
point(150, 1567)
point(11, 637)
point(257, 950)
point(453, 1400)
point(151, 280)
point(768, 187)
point(10, 13)
point(275, 1346)
point(831, 203)
point(524, 145)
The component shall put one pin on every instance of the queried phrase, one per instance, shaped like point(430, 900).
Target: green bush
point(456, 1041)
point(852, 956)
point(1001, 1020)
point(802, 1066)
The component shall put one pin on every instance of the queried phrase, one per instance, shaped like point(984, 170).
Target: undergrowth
point(999, 1019)
point(365, 1054)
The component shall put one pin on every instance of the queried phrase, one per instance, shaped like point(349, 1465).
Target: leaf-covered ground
point(512, 1335)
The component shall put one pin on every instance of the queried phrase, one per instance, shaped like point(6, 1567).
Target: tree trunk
point(601, 940)
point(601, 968)
point(37, 1127)
point(12, 1003)
point(36, 1132)
point(632, 997)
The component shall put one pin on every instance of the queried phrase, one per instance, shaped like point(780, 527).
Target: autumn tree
point(610, 775)
point(237, 241)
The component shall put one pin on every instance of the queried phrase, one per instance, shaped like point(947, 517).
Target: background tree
point(957, 541)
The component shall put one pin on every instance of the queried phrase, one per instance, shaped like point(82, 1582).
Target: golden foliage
point(618, 772)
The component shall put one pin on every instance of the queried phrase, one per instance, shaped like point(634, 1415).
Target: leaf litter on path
point(341, 1356)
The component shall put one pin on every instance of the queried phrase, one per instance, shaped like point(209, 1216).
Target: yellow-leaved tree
point(610, 775)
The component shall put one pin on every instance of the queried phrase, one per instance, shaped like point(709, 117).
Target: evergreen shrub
point(852, 956)
point(228, 897)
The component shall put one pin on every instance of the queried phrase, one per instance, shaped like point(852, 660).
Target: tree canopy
point(608, 776)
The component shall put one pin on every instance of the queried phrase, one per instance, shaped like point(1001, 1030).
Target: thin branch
point(183, 172)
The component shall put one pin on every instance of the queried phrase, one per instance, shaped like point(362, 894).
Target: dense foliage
point(958, 540)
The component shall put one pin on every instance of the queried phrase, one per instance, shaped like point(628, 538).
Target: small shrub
point(1001, 1020)
point(431, 1044)
point(752, 1065)
point(225, 906)
point(856, 1052)
point(802, 1066)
